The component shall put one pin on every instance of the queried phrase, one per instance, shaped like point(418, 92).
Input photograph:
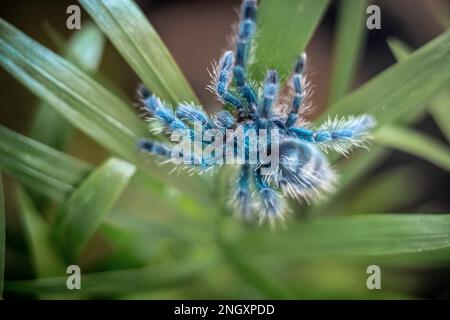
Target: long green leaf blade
point(403, 88)
point(351, 30)
point(85, 50)
point(399, 49)
point(78, 98)
point(83, 212)
point(440, 105)
point(415, 143)
point(278, 21)
point(45, 170)
point(134, 37)
point(2, 236)
point(43, 252)
point(362, 235)
point(439, 109)
point(121, 282)
point(362, 161)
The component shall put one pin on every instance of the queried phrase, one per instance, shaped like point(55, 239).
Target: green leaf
point(283, 31)
point(399, 49)
point(56, 175)
point(350, 34)
point(439, 109)
point(121, 282)
point(38, 166)
point(134, 37)
point(362, 161)
point(77, 97)
point(260, 280)
point(439, 105)
point(83, 212)
point(2, 236)
point(403, 88)
point(381, 194)
point(415, 143)
point(43, 252)
point(50, 128)
point(85, 50)
point(362, 235)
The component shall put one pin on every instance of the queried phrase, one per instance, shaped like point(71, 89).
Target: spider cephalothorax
point(302, 171)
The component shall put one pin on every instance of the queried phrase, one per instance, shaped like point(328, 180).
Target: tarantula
point(303, 172)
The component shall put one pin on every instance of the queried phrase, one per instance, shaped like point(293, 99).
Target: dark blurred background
point(196, 32)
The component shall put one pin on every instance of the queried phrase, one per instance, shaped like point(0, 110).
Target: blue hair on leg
point(247, 27)
point(222, 80)
point(160, 111)
point(270, 204)
point(155, 148)
point(340, 135)
point(193, 114)
point(242, 197)
point(224, 120)
point(270, 94)
point(297, 84)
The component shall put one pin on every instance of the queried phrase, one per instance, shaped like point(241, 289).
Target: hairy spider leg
point(224, 120)
point(156, 148)
point(270, 94)
point(242, 197)
point(271, 204)
point(159, 110)
point(339, 134)
point(297, 84)
point(222, 81)
point(247, 27)
point(167, 151)
point(192, 114)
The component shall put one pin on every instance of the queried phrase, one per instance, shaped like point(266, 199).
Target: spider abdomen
point(303, 170)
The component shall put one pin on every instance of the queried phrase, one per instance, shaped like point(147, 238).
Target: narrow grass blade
point(2, 236)
point(362, 161)
point(258, 279)
point(439, 106)
point(362, 235)
point(439, 109)
point(350, 35)
point(403, 88)
point(116, 284)
point(85, 50)
point(83, 212)
point(77, 97)
point(54, 174)
point(38, 166)
point(50, 128)
point(284, 29)
point(134, 37)
point(415, 143)
point(44, 255)
point(399, 49)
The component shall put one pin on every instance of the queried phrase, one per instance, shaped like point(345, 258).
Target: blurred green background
point(168, 237)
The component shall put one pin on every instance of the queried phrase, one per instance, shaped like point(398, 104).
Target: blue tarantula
point(303, 172)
